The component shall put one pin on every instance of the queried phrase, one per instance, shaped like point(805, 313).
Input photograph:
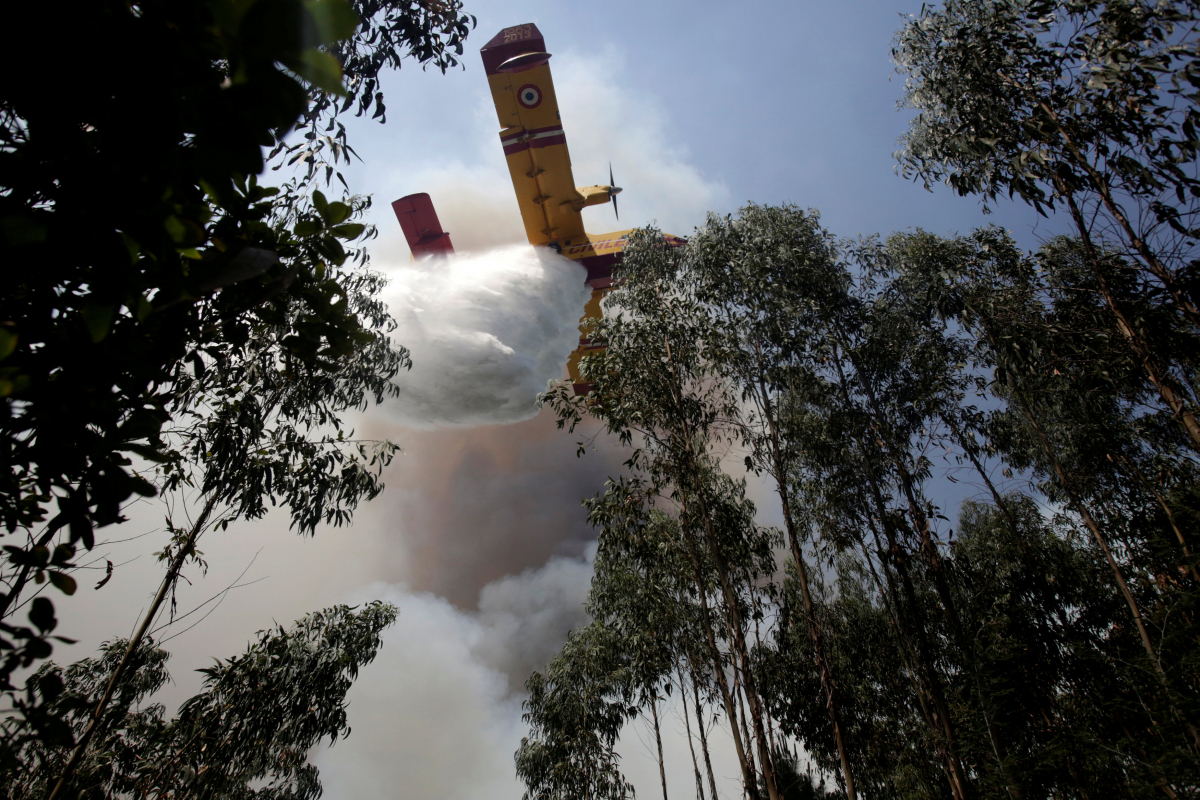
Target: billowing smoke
point(526, 617)
point(486, 332)
point(438, 714)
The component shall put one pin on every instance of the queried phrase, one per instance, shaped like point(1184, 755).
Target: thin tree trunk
point(1162, 502)
point(662, 771)
point(914, 652)
point(1178, 405)
point(1139, 244)
point(944, 730)
point(758, 640)
point(887, 595)
point(1098, 536)
point(687, 724)
point(934, 560)
point(715, 652)
point(741, 652)
point(736, 624)
point(168, 581)
point(692, 469)
point(7, 600)
point(699, 707)
point(737, 693)
point(814, 628)
point(969, 449)
point(1134, 610)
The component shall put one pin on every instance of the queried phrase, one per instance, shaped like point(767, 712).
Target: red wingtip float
point(420, 224)
point(535, 146)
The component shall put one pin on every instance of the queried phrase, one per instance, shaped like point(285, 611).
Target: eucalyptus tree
point(180, 261)
point(655, 381)
point(887, 739)
point(860, 416)
point(1089, 105)
point(1076, 416)
point(765, 277)
point(1056, 674)
point(636, 591)
point(129, 286)
point(646, 585)
point(253, 425)
point(575, 712)
point(246, 734)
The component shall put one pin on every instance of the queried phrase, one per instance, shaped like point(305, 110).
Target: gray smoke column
point(486, 332)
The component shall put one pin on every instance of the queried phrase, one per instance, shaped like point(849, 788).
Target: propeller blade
point(611, 194)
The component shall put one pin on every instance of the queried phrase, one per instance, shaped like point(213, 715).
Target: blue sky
point(762, 102)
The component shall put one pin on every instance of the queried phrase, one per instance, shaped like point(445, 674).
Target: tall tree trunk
point(1097, 535)
point(662, 770)
point(692, 473)
point(969, 448)
point(737, 693)
point(699, 708)
point(1015, 789)
point(185, 549)
point(1162, 502)
point(934, 717)
point(715, 653)
point(1118, 574)
point(914, 633)
point(687, 724)
point(828, 686)
point(741, 652)
point(936, 566)
point(1156, 267)
point(1177, 404)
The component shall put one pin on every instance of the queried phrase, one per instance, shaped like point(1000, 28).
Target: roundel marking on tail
point(529, 96)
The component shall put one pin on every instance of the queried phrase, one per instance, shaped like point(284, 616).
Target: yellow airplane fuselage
point(535, 148)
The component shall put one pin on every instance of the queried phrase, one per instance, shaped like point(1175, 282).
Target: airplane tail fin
point(421, 228)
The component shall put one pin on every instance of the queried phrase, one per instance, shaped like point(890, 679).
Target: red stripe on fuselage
point(536, 137)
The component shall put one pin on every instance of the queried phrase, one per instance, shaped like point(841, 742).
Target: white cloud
point(489, 327)
point(607, 120)
point(435, 716)
point(526, 617)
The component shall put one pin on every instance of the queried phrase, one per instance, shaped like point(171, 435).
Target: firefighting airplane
point(518, 71)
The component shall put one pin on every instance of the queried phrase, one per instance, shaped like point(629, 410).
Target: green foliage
point(1047, 647)
point(133, 233)
point(1044, 99)
point(255, 423)
point(431, 32)
point(575, 713)
point(1044, 646)
point(1090, 106)
point(246, 734)
point(154, 245)
point(177, 327)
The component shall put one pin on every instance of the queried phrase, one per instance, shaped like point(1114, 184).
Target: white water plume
point(486, 332)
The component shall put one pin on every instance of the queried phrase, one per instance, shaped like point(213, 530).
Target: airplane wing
point(535, 146)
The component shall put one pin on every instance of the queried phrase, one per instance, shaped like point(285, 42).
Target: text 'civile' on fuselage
point(535, 146)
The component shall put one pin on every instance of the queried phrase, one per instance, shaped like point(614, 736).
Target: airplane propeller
point(613, 191)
